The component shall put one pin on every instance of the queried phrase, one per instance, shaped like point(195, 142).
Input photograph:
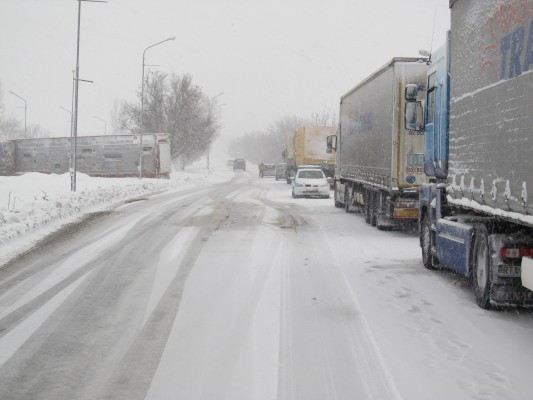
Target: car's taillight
point(516, 252)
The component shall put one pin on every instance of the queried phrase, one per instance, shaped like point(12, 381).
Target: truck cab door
point(437, 116)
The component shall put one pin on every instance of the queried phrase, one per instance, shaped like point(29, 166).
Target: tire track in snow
point(31, 289)
point(12, 341)
point(147, 347)
point(241, 342)
point(327, 350)
point(169, 261)
point(21, 290)
point(89, 321)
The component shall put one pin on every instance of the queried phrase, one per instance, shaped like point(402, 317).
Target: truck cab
point(455, 232)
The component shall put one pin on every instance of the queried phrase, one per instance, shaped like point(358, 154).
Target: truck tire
point(347, 199)
point(367, 206)
point(338, 204)
point(373, 209)
point(425, 243)
point(481, 267)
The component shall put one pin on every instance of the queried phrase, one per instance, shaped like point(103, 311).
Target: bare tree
point(35, 131)
point(324, 118)
point(10, 128)
point(175, 105)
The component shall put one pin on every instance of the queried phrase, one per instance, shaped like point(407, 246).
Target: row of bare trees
point(173, 104)
point(268, 144)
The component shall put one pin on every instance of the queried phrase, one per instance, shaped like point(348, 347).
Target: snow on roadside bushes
point(33, 199)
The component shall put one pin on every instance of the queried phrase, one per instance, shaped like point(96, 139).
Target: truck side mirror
point(414, 110)
point(331, 142)
point(411, 92)
point(410, 116)
point(414, 116)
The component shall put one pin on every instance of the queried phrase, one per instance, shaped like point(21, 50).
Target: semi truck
point(379, 163)
point(476, 213)
point(307, 146)
point(106, 156)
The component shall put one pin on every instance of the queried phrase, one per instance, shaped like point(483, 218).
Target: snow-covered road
point(237, 291)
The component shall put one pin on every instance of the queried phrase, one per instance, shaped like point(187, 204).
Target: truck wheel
point(347, 199)
point(338, 204)
point(481, 267)
point(367, 206)
point(425, 243)
point(373, 211)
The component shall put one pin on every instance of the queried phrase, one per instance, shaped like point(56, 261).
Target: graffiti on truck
point(510, 37)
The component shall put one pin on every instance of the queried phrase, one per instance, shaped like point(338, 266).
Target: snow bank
point(31, 200)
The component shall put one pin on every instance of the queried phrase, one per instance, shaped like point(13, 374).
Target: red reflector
point(517, 252)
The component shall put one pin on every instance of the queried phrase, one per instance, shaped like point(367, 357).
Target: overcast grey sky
point(270, 58)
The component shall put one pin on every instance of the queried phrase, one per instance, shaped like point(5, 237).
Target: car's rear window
point(311, 174)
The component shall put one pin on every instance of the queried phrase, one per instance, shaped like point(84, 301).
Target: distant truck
point(307, 146)
point(476, 213)
point(239, 164)
point(379, 163)
point(106, 156)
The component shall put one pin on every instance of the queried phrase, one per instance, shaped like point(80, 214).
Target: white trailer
point(379, 163)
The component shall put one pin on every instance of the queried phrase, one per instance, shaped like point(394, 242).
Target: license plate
point(509, 270)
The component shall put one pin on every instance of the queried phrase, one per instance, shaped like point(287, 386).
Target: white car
point(310, 182)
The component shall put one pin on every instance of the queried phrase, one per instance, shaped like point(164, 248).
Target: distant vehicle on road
point(229, 163)
point(239, 164)
point(307, 145)
point(281, 170)
point(269, 170)
point(310, 182)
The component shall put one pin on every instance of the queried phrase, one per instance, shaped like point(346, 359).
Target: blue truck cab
point(458, 232)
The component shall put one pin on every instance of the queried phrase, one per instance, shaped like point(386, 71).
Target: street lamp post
point(142, 107)
point(25, 112)
point(75, 110)
point(105, 124)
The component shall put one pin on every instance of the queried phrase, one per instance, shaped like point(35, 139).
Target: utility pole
point(75, 110)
